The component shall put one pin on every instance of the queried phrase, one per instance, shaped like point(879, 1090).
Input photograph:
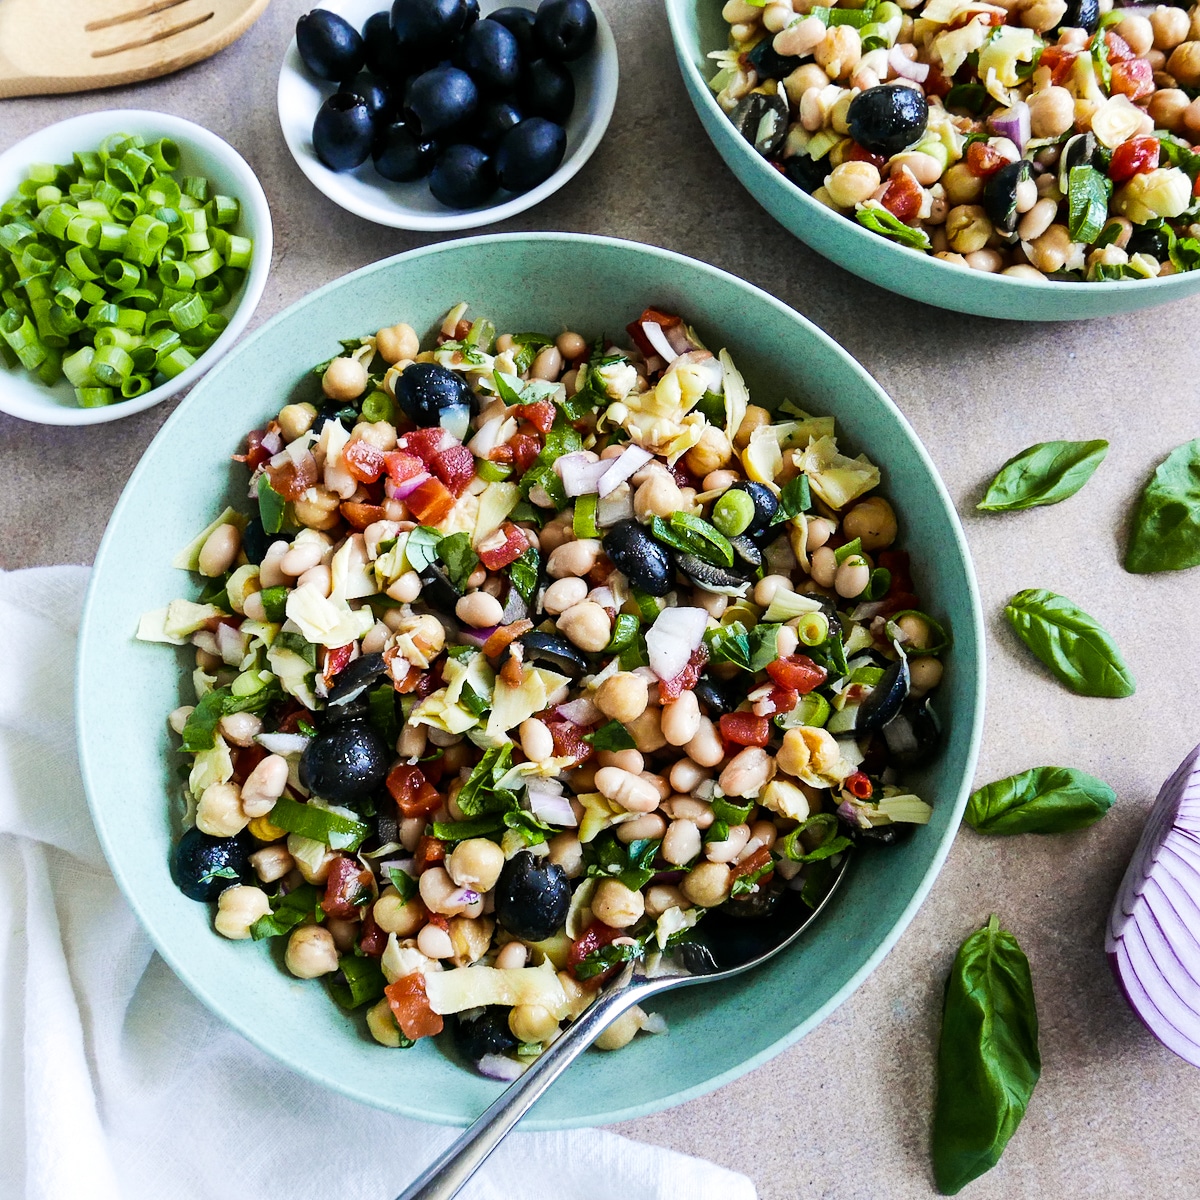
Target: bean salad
point(527, 650)
point(1042, 139)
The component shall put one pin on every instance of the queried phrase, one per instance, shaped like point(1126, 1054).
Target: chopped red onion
point(581, 472)
point(580, 712)
point(677, 336)
point(868, 611)
point(603, 596)
point(906, 68)
point(462, 897)
point(231, 645)
point(1153, 943)
point(554, 810)
point(282, 743)
point(627, 463)
point(405, 488)
point(488, 437)
point(658, 339)
point(654, 1023)
point(670, 641)
point(476, 637)
point(1012, 123)
point(272, 443)
point(497, 1066)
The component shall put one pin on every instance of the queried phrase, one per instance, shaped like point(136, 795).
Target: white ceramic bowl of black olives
point(439, 115)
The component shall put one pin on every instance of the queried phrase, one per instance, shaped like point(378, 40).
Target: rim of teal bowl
point(793, 1035)
point(1146, 293)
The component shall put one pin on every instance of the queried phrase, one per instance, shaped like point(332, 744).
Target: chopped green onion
point(94, 397)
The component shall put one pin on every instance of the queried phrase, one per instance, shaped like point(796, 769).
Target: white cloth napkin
point(117, 1084)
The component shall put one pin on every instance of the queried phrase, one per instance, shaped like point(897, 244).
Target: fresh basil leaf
point(971, 98)
point(274, 602)
point(633, 865)
point(505, 389)
point(763, 640)
point(1073, 645)
point(403, 882)
point(524, 574)
point(561, 440)
point(219, 873)
point(605, 957)
point(1088, 193)
point(478, 794)
point(305, 728)
point(1184, 253)
point(878, 220)
point(271, 505)
point(528, 345)
point(358, 981)
point(1166, 525)
point(200, 730)
point(610, 736)
point(795, 498)
point(988, 1060)
point(530, 828)
point(460, 559)
point(730, 643)
point(624, 633)
point(381, 712)
point(460, 831)
point(1045, 473)
point(1179, 154)
point(421, 549)
point(1040, 800)
point(288, 911)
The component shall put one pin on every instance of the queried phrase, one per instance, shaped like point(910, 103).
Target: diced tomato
point(568, 739)
point(596, 935)
point(426, 443)
point(634, 328)
point(984, 160)
point(503, 553)
point(1059, 61)
point(936, 84)
point(501, 454)
point(858, 785)
point(348, 881)
point(755, 862)
point(336, 660)
point(1118, 48)
point(902, 197)
point(415, 796)
point(430, 502)
point(359, 516)
point(525, 448)
point(540, 415)
point(401, 465)
point(1134, 79)
point(364, 461)
point(410, 1006)
point(372, 941)
point(669, 690)
point(245, 759)
point(256, 454)
point(290, 479)
point(505, 636)
point(857, 153)
point(513, 671)
point(1134, 157)
point(455, 467)
point(780, 700)
point(797, 672)
point(438, 920)
point(429, 851)
point(1196, 187)
point(745, 729)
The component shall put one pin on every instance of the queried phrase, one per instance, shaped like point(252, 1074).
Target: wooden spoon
point(77, 45)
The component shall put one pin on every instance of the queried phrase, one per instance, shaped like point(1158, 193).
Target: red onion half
point(1153, 941)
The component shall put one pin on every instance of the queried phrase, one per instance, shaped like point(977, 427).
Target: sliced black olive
point(884, 835)
point(555, 651)
point(747, 551)
point(343, 132)
point(1080, 151)
point(765, 504)
point(711, 578)
point(425, 389)
point(1081, 14)
point(1142, 240)
point(485, 1033)
point(330, 47)
point(515, 608)
point(345, 763)
point(642, 560)
point(888, 118)
point(768, 63)
point(806, 172)
point(1000, 196)
point(532, 897)
point(255, 540)
point(565, 29)
point(436, 589)
point(199, 856)
point(354, 679)
point(885, 700)
point(762, 120)
point(717, 698)
point(915, 736)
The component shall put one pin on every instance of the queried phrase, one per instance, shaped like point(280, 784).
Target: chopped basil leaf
point(633, 865)
point(795, 498)
point(528, 826)
point(693, 535)
point(305, 728)
point(624, 633)
point(403, 882)
point(358, 981)
point(271, 505)
point(878, 585)
point(219, 873)
point(611, 736)
point(729, 644)
point(472, 701)
point(1088, 193)
point(763, 640)
point(421, 549)
point(298, 644)
point(634, 655)
point(524, 574)
point(877, 219)
point(274, 602)
point(381, 712)
point(288, 911)
point(319, 824)
point(479, 794)
point(744, 885)
point(529, 344)
point(606, 957)
point(460, 831)
point(460, 559)
point(200, 731)
point(971, 98)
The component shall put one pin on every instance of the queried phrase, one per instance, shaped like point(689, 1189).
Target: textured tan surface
point(846, 1112)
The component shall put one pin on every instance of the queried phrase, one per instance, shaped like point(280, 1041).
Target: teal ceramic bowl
point(697, 28)
point(127, 688)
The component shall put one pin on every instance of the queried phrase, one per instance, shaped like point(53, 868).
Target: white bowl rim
point(91, 126)
point(386, 213)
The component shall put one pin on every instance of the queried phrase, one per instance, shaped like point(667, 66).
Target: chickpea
point(220, 550)
point(548, 364)
point(316, 509)
point(296, 420)
point(587, 625)
point(823, 566)
point(747, 773)
point(622, 697)
point(707, 884)
point(1023, 271)
point(632, 792)
point(532, 1023)
point(407, 588)
point(873, 522)
point(476, 864)
point(710, 453)
point(918, 633)
point(238, 908)
point(712, 602)
point(616, 905)
point(271, 862)
point(397, 342)
point(646, 730)
point(479, 610)
point(563, 594)
point(662, 897)
point(566, 852)
point(1184, 63)
point(575, 558)
point(852, 182)
point(264, 785)
point(755, 416)
point(1042, 15)
point(706, 748)
point(622, 1031)
point(1191, 118)
point(766, 589)
point(394, 915)
point(962, 185)
point(648, 826)
point(311, 952)
point(925, 673)
point(219, 812)
point(839, 51)
point(1170, 27)
point(1167, 106)
point(1137, 32)
point(437, 889)
point(344, 379)
point(805, 76)
point(681, 843)
point(967, 228)
point(659, 496)
point(681, 719)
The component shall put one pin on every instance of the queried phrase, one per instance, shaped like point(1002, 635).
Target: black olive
point(329, 45)
point(346, 763)
point(485, 1033)
point(354, 679)
point(494, 120)
point(532, 897)
point(887, 118)
point(765, 505)
point(1000, 196)
point(717, 698)
point(519, 22)
point(710, 577)
point(1082, 150)
point(463, 177)
point(472, 14)
point(530, 154)
point(555, 651)
point(886, 697)
point(436, 589)
point(401, 155)
point(491, 56)
point(759, 903)
point(383, 55)
point(747, 551)
point(342, 132)
point(333, 411)
point(884, 835)
point(565, 29)
point(428, 25)
point(255, 540)
point(1141, 241)
point(547, 90)
point(642, 560)
point(441, 100)
point(805, 172)
point(762, 120)
point(198, 855)
point(915, 736)
point(768, 63)
point(1081, 14)
point(375, 93)
point(425, 389)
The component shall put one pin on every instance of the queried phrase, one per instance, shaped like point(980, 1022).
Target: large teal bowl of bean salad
point(700, 32)
point(129, 758)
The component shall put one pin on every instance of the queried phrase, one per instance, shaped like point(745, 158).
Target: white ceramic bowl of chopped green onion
point(201, 155)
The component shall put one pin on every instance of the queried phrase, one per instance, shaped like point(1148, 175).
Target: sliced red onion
point(231, 645)
point(677, 336)
point(670, 641)
point(554, 810)
point(658, 339)
point(405, 488)
point(462, 897)
point(627, 463)
point(1153, 945)
point(603, 596)
point(282, 743)
point(581, 472)
point(407, 865)
point(497, 1066)
point(906, 68)
point(580, 712)
point(668, 878)
point(1012, 123)
point(868, 611)
point(272, 443)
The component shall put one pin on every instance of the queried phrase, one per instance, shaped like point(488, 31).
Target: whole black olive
point(342, 132)
point(530, 154)
point(494, 120)
point(565, 29)
point(442, 99)
point(198, 857)
point(375, 93)
point(642, 560)
point(472, 14)
point(330, 47)
point(424, 389)
point(765, 504)
point(346, 763)
point(1081, 14)
point(768, 63)
point(887, 118)
point(548, 91)
point(485, 1033)
point(399, 154)
point(806, 172)
point(428, 25)
point(519, 22)
point(1000, 196)
point(762, 120)
point(532, 897)
point(255, 540)
point(490, 55)
point(464, 176)
point(382, 51)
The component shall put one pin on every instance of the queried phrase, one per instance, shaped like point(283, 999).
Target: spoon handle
point(443, 1178)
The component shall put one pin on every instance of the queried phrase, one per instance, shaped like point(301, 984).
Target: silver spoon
point(722, 947)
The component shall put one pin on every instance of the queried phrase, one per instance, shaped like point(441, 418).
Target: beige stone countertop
point(846, 1112)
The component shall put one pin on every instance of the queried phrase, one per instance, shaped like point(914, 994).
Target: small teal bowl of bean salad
point(1030, 162)
point(521, 638)
point(134, 247)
